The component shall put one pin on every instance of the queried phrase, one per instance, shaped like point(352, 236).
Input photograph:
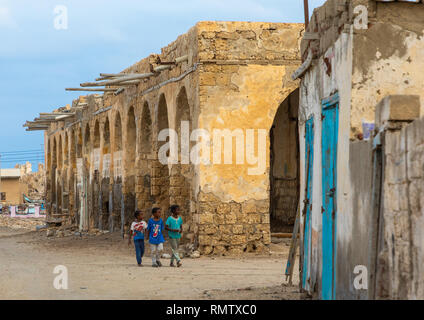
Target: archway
point(144, 194)
point(181, 172)
point(72, 180)
point(118, 213)
point(66, 151)
point(85, 194)
point(53, 195)
point(160, 183)
point(95, 177)
point(130, 166)
point(65, 177)
point(79, 175)
point(284, 165)
point(106, 214)
point(59, 154)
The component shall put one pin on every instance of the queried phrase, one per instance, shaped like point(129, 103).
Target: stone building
point(227, 86)
point(356, 53)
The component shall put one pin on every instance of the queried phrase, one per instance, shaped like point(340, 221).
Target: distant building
point(11, 187)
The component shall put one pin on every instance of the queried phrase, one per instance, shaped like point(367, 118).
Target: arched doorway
point(160, 183)
point(181, 172)
point(85, 194)
point(79, 175)
point(65, 178)
point(59, 178)
point(72, 179)
point(130, 166)
point(284, 165)
point(95, 177)
point(144, 195)
point(118, 214)
point(106, 212)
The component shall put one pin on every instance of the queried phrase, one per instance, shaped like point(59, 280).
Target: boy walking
point(174, 225)
point(137, 230)
point(155, 233)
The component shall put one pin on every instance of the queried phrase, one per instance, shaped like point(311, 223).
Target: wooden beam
point(181, 59)
point(37, 129)
point(162, 68)
point(117, 81)
point(117, 75)
point(88, 89)
point(36, 123)
point(65, 116)
point(55, 113)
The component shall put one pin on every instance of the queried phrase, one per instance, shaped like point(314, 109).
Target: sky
point(38, 61)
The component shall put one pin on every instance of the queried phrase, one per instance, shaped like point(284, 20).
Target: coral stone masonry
point(219, 86)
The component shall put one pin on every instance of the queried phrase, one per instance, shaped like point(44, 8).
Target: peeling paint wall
point(361, 66)
point(241, 88)
point(386, 58)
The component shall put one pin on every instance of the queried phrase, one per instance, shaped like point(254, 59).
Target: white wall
point(317, 85)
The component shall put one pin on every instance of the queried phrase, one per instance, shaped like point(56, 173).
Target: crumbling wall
point(386, 52)
point(387, 56)
point(35, 182)
point(238, 91)
point(235, 76)
point(400, 271)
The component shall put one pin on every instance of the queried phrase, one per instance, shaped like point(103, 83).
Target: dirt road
point(104, 267)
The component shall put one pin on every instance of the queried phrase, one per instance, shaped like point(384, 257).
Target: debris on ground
point(21, 223)
point(166, 256)
point(195, 255)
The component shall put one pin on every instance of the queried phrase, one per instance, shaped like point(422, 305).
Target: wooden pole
point(117, 75)
point(88, 89)
point(117, 81)
point(306, 7)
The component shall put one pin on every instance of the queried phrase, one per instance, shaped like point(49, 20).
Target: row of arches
point(107, 167)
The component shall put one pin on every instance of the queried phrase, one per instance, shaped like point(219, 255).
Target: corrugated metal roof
point(10, 173)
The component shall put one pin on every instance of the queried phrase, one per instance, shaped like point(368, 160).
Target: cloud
point(6, 19)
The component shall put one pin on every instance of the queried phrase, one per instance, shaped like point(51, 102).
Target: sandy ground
point(104, 267)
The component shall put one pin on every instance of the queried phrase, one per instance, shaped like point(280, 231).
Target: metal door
point(309, 162)
point(330, 128)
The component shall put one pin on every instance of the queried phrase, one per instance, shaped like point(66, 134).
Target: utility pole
point(306, 7)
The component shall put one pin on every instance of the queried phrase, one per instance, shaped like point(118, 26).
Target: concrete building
point(229, 80)
point(11, 187)
point(355, 53)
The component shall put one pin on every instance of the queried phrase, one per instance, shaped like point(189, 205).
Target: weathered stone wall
point(238, 90)
point(386, 52)
point(361, 66)
point(400, 273)
point(236, 75)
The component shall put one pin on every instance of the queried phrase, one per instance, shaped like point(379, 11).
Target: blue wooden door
point(330, 128)
point(309, 161)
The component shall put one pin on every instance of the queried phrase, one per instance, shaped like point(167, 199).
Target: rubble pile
point(69, 231)
point(35, 181)
point(16, 223)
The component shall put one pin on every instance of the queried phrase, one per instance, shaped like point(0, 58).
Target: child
point(174, 226)
point(137, 230)
point(155, 233)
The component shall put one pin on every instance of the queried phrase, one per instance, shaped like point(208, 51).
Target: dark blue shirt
point(155, 231)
